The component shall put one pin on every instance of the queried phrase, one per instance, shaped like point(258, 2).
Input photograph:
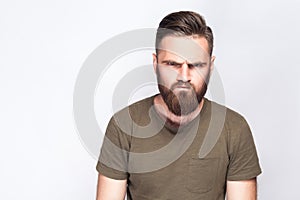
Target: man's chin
point(185, 105)
point(181, 101)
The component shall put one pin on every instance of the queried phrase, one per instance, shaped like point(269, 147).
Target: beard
point(182, 101)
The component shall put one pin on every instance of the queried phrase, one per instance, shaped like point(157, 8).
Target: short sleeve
point(113, 159)
point(243, 159)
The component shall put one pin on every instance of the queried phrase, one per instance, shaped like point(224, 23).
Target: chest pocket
point(201, 174)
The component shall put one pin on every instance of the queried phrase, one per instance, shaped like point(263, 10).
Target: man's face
point(183, 68)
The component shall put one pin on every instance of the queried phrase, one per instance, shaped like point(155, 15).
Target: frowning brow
point(174, 63)
point(171, 62)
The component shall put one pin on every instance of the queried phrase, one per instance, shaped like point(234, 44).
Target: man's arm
point(110, 188)
point(242, 190)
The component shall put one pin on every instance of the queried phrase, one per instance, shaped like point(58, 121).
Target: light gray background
point(44, 43)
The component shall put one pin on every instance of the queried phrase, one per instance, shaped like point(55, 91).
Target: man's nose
point(184, 73)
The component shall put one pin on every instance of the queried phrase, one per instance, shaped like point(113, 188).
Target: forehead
point(184, 48)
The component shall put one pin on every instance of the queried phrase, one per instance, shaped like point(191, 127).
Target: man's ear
point(212, 63)
point(154, 59)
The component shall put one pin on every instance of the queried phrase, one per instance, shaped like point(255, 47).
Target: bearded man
point(153, 149)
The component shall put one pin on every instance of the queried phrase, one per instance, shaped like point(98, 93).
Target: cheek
point(167, 75)
point(200, 77)
point(201, 74)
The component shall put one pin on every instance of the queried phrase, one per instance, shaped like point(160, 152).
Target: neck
point(172, 119)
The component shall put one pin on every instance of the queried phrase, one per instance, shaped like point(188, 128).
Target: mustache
point(182, 84)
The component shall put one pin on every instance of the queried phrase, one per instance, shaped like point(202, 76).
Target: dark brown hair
point(184, 23)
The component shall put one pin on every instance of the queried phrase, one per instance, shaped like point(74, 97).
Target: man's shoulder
point(137, 109)
point(231, 116)
point(144, 103)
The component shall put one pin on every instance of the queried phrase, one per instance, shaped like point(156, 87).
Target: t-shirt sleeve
point(243, 159)
point(113, 159)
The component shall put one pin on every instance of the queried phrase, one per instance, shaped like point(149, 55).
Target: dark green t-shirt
point(192, 162)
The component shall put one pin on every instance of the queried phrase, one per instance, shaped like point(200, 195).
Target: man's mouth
point(182, 86)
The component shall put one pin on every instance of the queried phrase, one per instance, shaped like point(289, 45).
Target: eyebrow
point(177, 63)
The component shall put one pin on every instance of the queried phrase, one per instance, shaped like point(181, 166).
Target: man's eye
point(198, 65)
point(171, 63)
